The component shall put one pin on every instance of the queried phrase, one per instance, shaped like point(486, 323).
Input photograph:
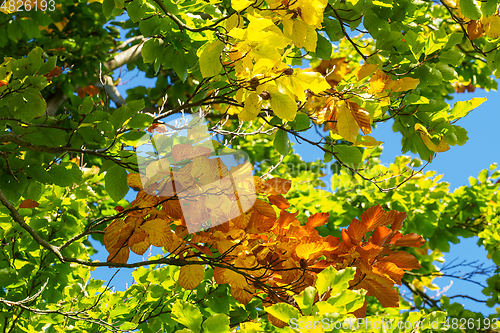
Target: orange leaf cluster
point(265, 250)
point(88, 90)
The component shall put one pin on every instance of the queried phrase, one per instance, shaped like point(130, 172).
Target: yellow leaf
point(251, 108)
point(367, 141)
point(380, 82)
point(310, 80)
point(365, 70)
point(210, 64)
point(441, 147)
point(282, 104)
point(240, 5)
point(311, 39)
point(406, 83)
point(491, 26)
point(234, 21)
point(346, 124)
point(299, 33)
point(190, 276)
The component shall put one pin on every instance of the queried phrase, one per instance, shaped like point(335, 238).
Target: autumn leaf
point(346, 123)
point(405, 84)
point(491, 26)
point(28, 203)
point(426, 138)
point(190, 276)
point(475, 29)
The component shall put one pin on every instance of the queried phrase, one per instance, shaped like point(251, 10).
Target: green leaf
point(300, 123)
point(48, 66)
point(281, 142)
point(107, 8)
point(337, 280)
point(120, 115)
point(65, 174)
point(187, 314)
point(470, 9)
point(140, 120)
point(210, 64)
point(216, 323)
point(333, 29)
point(452, 57)
point(347, 154)
point(137, 105)
point(488, 7)
point(29, 104)
point(116, 182)
point(179, 65)
point(283, 311)
point(152, 51)
point(148, 27)
point(323, 48)
point(87, 106)
point(305, 300)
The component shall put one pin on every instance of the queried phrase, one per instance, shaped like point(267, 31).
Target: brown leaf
point(28, 203)
point(475, 29)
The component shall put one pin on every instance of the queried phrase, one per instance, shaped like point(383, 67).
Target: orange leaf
point(119, 255)
point(305, 251)
point(28, 203)
point(224, 275)
point(241, 295)
point(373, 217)
point(356, 231)
point(285, 219)
point(396, 218)
point(279, 201)
point(387, 296)
point(361, 312)
point(277, 186)
point(158, 230)
point(411, 240)
point(138, 242)
point(380, 235)
point(203, 249)
point(317, 220)
point(475, 29)
point(369, 251)
point(190, 276)
point(56, 71)
point(403, 260)
point(265, 209)
point(389, 268)
point(3, 83)
point(362, 117)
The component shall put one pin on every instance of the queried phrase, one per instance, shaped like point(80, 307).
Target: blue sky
point(457, 165)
